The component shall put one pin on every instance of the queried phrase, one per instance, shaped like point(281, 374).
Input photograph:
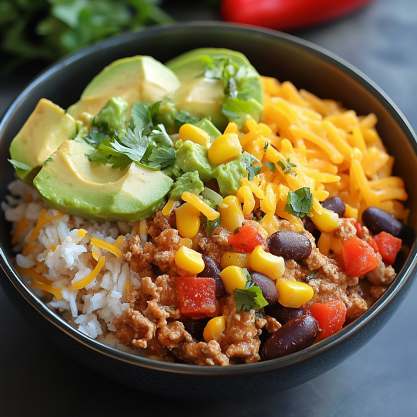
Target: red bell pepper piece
point(247, 238)
point(196, 296)
point(358, 257)
point(331, 316)
point(388, 246)
point(287, 14)
point(372, 244)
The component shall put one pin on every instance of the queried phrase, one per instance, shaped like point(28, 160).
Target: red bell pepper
point(331, 316)
point(388, 246)
point(196, 296)
point(358, 257)
point(358, 228)
point(287, 14)
point(247, 238)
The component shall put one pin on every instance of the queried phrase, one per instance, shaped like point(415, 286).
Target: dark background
point(380, 380)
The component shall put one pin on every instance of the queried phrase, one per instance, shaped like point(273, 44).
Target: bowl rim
point(142, 362)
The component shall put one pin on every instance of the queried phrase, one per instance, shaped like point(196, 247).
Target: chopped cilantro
point(20, 165)
point(160, 135)
point(96, 138)
point(300, 202)
point(271, 166)
point(266, 145)
point(162, 157)
point(287, 168)
point(251, 297)
point(253, 171)
point(183, 117)
point(209, 225)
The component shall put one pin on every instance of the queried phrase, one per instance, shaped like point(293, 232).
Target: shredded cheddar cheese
point(82, 283)
point(106, 246)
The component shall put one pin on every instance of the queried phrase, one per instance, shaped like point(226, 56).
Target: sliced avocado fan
point(70, 182)
point(136, 79)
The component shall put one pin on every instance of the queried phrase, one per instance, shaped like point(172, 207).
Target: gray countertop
point(380, 380)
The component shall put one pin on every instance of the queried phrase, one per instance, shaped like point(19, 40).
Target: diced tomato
point(388, 246)
point(372, 244)
point(196, 296)
point(358, 228)
point(247, 238)
point(358, 257)
point(331, 316)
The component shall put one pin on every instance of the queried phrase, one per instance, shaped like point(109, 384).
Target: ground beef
point(153, 321)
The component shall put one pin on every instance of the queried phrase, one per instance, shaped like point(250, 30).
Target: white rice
point(92, 309)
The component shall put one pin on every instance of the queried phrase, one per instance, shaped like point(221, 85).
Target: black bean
point(283, 314)
point(311, 227)
point(290, 245)
point(212, 270)
point(378, 220)
point(294, 336)
point(195, 326)
point(267, 286)
point(335, 204)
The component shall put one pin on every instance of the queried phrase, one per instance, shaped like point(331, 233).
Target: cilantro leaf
point(140, 116)
point(249, 298)
point(234, 107)
point(253, 171)
point(96, 138)
point(160, 135)
point(247, 276)
point(300, 202)
point(209, 225)
point(312, 275)
point(287, 168)
point(135, 144)
point(97, 157)
point(162, 157)
point(20, 165)
point(271, 166)
point(183, 117)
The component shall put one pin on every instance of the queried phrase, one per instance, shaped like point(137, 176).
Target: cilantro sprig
point(299, 202)
point(287, 167)
point(143, 142)
point(251, 297)
point(238, 86)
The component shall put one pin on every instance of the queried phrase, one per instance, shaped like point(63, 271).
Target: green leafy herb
point(287, 168)
point(20, 165)
point(162, 157)
point(300, 202)
point(266, 146)
point(209, 225)
point(49, 29)
point(96, 138)
point(251, 297)
point(271, 166)
point(160, 135)
point(183, 117)
point(253, 171)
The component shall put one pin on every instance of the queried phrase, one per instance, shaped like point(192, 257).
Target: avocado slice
point(205, 96)
point(71, 183)
point(136, 79)
point(41, 135)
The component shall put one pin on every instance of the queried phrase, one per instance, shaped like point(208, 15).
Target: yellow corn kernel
point(233, 277)
point(324, 243)
point(189, 260)
point(234, 259)
point(214, 328)
point(293, 293)
point(225, 148)
point(231, 128)
point(270, 265)
point(231, 216)
point(326, 221)
point(188, 220)
point(200, 205)
point(194, 134)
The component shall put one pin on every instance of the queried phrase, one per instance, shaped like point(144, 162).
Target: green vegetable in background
point(49, 29)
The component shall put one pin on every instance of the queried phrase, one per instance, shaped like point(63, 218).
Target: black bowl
point(274, 54)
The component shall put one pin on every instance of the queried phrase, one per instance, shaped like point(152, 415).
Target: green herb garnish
point(300, 202)
point(271, 166)
point(251, 297)
point(287, 168)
